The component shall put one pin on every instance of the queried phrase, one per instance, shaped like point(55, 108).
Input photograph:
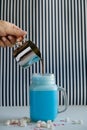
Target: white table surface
point(73, 112)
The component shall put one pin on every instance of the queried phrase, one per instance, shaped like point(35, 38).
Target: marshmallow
point(38, 125)
point(48, 126)
point(7, 122)
point(26, 119)
point(77, 121)
point(80, 121)
point(67, 119)
point(49, 121)
point(39, 121)
point(43, 124)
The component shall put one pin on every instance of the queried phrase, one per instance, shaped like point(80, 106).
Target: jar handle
point(65, 99)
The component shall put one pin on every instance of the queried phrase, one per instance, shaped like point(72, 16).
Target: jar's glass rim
point(43, 75)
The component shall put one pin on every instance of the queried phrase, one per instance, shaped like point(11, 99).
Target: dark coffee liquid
point(42, 65)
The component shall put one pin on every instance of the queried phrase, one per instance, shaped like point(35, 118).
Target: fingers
point(2, 44)
point(7, 28)
point(4, 41)
point(7, 42)
point(12, 39)
point(18, 31)
point(15, 31)
point(10, 33)
point(19, 39)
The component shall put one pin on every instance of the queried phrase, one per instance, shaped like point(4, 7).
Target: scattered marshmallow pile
point(77, 121)
point(68, 120)
point(43, 124)
point(18, 122)
point(25, 121)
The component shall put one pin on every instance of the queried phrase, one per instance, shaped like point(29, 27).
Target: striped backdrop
point(59, 29)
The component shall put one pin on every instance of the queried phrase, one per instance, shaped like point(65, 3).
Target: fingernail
point(9, 37)
point(25, 32)
point(19, 39)
point(4, 39)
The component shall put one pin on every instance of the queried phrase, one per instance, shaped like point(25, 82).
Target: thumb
point(14, 30)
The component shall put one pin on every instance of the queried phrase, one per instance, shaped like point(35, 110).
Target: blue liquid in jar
point(43, 105)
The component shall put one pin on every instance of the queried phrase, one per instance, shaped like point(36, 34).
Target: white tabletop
point(73, 113)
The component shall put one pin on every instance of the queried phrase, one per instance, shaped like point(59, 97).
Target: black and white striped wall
point(59, 29)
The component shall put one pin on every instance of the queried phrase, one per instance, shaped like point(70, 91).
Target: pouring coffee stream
point(27, 54)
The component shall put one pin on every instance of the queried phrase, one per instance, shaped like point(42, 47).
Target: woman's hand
point(10, 34)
